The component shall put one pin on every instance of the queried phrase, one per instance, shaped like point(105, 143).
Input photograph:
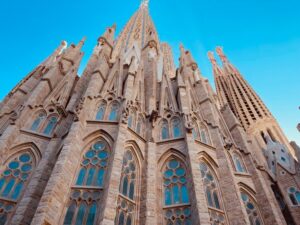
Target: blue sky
point(260, 37)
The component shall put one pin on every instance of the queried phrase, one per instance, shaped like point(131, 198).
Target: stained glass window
point(51, 125)
point(13, 180)
point(176, 195)
point(176, 127)
point(126, 209)
point(113, 115)
point(84, 202)
point(101, 111)
point(294, 195)
point(212, 194)
point(238, 164)
point(38, 121)
point(251, 209)
point(165, 130)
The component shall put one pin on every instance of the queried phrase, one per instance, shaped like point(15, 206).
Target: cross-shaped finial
point(145, 3)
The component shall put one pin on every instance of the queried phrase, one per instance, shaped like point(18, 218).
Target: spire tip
point(145, 3)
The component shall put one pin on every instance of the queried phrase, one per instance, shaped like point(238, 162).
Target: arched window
point(212, 193)
point(239, 166)
point(50, 125)
point(130, 121)
point(38, 121)
point(13, 181)
point(165, 130)
point(127, 208)
point(176, 194)
point(176, 128)
point(251, 209)
point(139, 126)
point(101, 111)
point(86, 192)
point(294, 195)
point(113, 115)
point(204, 135)
point(195, 132)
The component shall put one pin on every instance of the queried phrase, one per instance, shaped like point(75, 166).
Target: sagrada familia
point(136, 141)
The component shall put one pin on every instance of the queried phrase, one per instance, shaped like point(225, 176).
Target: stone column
point(199, 202)
point(151, 186)
point(56, 195)
point(27, 206)
point(112, 189)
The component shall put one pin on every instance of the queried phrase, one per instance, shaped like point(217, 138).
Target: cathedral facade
point(136, 141)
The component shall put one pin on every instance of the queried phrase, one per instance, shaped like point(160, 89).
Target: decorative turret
point(106, 41)
point(188, 66)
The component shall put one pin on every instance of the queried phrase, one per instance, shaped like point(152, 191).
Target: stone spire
point(136, 31)
point(245, 103)
point(220, 82)
point(144, 3)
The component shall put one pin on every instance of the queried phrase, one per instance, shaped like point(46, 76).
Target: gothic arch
point(232, 159)
point(212, 190)
point(30, 147)
point(100, 103)
point(248, 197)
point(203, 156)
point(37, 115)
point(168, 154)
point(15, 175)
point(174, 188)
point(130, 185)
point(88, 139)
point(137, 150)
point(90, 178)
point(247, 188)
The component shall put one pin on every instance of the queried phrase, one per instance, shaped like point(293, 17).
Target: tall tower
point(247, 106)
point(134, 140)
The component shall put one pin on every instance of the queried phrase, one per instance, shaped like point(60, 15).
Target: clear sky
point(260, 37)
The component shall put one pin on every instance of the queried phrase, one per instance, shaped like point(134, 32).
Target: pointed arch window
point(195, 132)
point(176, 128)
point(101, 111)
point(113, 115)
point(52, 121)
point(130, 121)
point(239, 166)
point(38, 121)
point(251, 209)
point(176, 193)
point(213, 194)
point(139, 126)
point(127, 205)
point(86, 193)
point(204, 135)
point(294, 195)
point(13, 181)
point(165, 130)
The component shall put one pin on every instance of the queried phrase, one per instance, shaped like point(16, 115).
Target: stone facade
point(136, 141)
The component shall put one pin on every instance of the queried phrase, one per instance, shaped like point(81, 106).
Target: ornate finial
point(212, 58)
point(221, 54)
point(181, 47)
point(144, 3)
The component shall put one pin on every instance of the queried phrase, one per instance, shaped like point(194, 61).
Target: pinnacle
point(145, 3)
